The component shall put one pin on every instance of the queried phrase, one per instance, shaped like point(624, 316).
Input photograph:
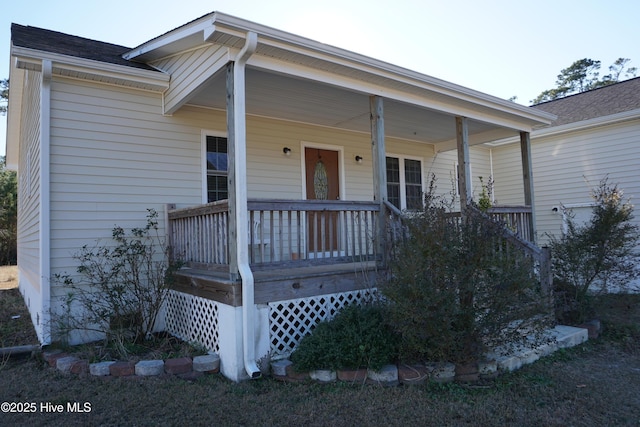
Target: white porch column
point(527, 177)
point(378, 152)
point(464, 163)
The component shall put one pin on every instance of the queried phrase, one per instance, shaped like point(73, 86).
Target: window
point(217, 166)
point(404, 183)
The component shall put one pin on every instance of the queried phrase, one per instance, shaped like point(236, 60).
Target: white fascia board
point(304, 46)
point(16, 79)
point(31, 59)
point(576, 126)
point(358, 85)
point(204, 24)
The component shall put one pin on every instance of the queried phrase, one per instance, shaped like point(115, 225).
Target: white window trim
point(203, 156)
point(457, 180)
point(403, 188)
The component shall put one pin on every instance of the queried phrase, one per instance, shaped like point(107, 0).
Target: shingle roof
point(65, 44)
point(604, 101)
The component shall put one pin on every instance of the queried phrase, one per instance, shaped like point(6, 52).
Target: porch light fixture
point(359, 159)
point(286, 151)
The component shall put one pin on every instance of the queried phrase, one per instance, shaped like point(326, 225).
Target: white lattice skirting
point(193, 319)
point(291, 320)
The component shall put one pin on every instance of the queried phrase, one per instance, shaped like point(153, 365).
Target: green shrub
point(457, 288)
point(119, 288)
point(592, 258)
point(357, 337)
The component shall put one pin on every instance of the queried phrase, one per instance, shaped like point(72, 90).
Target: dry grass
point(15, 323)
point(595, 384)
point(8, 277)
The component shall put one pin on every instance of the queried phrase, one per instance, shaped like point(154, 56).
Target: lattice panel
point(291, 320)
point(193, 319)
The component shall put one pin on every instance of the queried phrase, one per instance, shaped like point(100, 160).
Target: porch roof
point(294, 78)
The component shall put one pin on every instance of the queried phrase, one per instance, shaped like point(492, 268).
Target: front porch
point(308, 258)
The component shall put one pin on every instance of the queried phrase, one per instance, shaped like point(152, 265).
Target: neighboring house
point(596, 134)
point(277, 160)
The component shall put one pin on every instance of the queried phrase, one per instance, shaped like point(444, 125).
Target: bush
point(595, 257)
point(457, 288)
point(120, 288)
point(357, 337)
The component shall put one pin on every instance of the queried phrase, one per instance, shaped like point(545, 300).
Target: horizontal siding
point(443, 165)
point(28, 224)
point(568, 166)
point(29, 183)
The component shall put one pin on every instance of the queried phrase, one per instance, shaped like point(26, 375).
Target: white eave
point(230, 31)
point(582, 125)
point(87, 69)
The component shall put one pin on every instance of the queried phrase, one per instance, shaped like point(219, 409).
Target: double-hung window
point(217, 168)
point(404, 182)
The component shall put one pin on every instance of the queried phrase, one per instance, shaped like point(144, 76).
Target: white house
point(277, 159)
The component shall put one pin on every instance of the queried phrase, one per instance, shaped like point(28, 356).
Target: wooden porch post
point(527, 177)
point(231, 170)
point(378, 152)
point(464, 164)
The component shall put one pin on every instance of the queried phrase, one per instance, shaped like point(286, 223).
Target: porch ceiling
point(274, 95)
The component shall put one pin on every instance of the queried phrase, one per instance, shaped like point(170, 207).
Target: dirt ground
point(8, 277)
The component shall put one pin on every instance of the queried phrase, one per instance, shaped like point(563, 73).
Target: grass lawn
point(595, 384)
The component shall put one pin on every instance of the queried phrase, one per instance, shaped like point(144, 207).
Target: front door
point(323, 183)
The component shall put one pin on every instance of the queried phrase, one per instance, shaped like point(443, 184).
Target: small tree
point(598, 256)
point(120, 288)
point(457, 289)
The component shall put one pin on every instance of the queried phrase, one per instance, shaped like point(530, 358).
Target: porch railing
point(280, 231)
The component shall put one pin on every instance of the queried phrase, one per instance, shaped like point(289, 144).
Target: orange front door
point(323, 183)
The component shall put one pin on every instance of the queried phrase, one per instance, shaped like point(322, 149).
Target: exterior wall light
point(286, 151)
point(359, 159)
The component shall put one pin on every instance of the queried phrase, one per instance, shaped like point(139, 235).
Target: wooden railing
point(515, 218)
point(280, 231)
point(512, 235)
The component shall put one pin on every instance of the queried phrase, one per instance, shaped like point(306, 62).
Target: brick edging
point(186, 367)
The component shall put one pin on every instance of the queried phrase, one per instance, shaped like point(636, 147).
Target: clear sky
point(502, 47)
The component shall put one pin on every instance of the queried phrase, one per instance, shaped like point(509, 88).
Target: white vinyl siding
point(28, 225)
point(566, 167)
point(444, 166)
point(190, 70)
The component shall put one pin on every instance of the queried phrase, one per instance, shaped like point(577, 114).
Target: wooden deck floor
point(278, 284)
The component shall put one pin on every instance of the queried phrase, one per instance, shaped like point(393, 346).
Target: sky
point(504, 48)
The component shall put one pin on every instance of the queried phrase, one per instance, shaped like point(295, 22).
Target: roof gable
point(604, 101)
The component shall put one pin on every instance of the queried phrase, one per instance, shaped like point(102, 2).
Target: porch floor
point(280, 283)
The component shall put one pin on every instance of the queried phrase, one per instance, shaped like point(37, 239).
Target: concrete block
point(323, 375)
point(279, 367)
point(209, 363)
point(442, 372)
point(149, 367)
point(100, 369)
point(387, 375)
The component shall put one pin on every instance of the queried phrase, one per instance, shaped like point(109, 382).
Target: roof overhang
point(300, 59)
point(612, 119)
